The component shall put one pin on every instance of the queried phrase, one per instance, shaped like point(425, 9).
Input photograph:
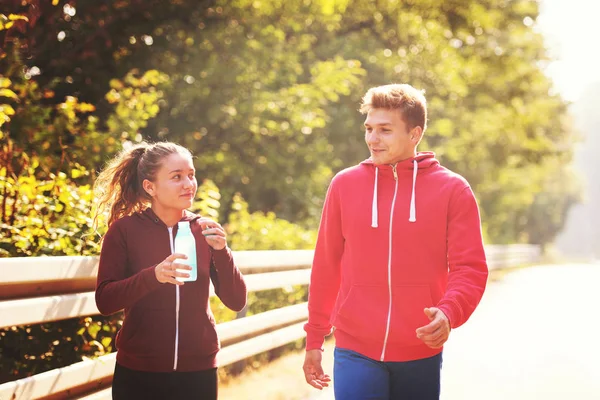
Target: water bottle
point(185, 243)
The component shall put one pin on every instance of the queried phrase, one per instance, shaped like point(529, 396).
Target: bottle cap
point(183, 225)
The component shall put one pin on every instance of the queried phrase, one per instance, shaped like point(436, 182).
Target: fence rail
point(44, 289)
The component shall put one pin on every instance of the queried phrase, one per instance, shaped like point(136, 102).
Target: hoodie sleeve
point(114, 290)
point(467, 265)
point(229, 282)
point(325, 274)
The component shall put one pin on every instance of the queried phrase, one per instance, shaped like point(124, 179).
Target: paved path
point(535, 335)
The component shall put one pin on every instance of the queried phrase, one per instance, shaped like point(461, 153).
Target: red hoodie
point(166, 327)
point(394, 240)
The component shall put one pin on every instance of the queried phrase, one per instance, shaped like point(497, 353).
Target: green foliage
point(207, 201)
point(276, 298)
point(60, 136)
point(260, 231)
point(8, 21)
point(30, 350)
point(561, 188)
point(266, 93)
point(6, 110)
point(135, 102)
point(264, 231)
point(49, 217)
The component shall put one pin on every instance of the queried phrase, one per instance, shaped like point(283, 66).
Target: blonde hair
point(410, 101)
point(119, 185)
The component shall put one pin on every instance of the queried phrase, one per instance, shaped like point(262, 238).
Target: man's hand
point(437, 331)
point(313, 371)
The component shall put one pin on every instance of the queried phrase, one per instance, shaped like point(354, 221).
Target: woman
point(168, 344)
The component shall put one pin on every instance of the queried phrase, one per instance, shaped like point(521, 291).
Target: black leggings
point(130, 385)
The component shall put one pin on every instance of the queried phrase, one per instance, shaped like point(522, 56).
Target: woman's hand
point(213, 233)
point(168, 270)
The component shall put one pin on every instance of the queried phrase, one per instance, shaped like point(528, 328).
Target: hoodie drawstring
point(413, 208)
point(374, 205)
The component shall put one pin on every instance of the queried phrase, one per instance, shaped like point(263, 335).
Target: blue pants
point(356, 377)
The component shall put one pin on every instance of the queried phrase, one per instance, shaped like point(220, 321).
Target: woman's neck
point(169, 216)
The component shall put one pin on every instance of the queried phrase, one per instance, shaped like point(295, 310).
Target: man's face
point(388, 137)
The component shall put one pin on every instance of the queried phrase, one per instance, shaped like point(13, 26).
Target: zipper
point(389, 318)
point(176, 356)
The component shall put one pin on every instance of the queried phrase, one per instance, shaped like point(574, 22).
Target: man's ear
point(416, 133)
point(148, 187)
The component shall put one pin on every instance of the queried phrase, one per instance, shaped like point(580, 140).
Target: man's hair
point(410, 101)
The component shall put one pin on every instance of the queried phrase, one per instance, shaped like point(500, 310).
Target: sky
point(572, 32)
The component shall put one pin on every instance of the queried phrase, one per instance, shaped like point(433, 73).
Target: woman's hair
point(410, 101)
point(119, 185)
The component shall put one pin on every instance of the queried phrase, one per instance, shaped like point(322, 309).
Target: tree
point(265, 93)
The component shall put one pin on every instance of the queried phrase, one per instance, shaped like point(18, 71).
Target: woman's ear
point(149, 187)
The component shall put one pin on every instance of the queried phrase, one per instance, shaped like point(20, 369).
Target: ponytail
point(118, 188)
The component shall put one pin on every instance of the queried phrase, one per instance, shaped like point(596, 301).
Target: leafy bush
point(48, 217)
point(264, 231)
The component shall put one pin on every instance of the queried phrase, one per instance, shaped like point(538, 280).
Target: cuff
point(222, 256)
point(149, 277)
point(452, 311)
point(313, 340)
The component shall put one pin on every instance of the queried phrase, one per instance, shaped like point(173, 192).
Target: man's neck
point(404, 158)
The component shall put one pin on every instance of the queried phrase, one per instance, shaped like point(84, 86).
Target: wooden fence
point(37, 290)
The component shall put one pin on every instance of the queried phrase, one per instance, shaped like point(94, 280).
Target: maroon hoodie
point(166, 327)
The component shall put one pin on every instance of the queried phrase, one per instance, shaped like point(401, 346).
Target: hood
point(149, 214)
point(421, 161)
point(424, 159)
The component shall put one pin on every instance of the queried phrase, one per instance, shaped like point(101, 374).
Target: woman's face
point(175, 184)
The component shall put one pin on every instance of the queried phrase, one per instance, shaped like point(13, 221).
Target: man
point(399, 260)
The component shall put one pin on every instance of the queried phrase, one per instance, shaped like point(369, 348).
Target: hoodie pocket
point(363, 313)
point(408, 304)
point(147, 331)
point(198, 334)
point(129, 327)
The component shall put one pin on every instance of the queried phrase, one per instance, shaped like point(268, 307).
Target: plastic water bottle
point(185, 243)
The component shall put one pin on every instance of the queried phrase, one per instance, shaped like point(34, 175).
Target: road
point(534, 336)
